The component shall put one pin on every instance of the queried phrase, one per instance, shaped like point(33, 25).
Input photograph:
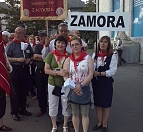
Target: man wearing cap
point(5, 37)
point(40, 76)
point(19, 54)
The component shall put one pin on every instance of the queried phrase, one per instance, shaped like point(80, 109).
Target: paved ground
point(126, 112)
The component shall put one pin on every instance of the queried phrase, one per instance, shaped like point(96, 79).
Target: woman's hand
point(47, 41)
point(62, 73)
point(96, 73)
point(78, 90)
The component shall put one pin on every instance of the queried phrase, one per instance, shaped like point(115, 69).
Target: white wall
point(140, 40)
point(3, 22)
point(105, 6)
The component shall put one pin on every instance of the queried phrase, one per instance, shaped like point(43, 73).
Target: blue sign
point(138, 19)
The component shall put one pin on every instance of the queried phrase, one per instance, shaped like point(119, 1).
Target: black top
point(38, 50)
point(103, 87)
point(104, 68)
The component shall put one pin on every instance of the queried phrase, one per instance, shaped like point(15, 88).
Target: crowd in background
point(40, 64)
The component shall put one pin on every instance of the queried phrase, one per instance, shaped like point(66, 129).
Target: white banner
point(93, 21)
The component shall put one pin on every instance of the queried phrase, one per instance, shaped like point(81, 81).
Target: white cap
point(6, 33)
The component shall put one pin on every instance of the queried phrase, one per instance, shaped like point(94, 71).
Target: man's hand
point(27, 61)
point(21, 59)
point(7, 66)
point(35, 56)
point(47, 41)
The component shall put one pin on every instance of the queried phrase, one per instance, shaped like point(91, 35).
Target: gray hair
point(62, 24)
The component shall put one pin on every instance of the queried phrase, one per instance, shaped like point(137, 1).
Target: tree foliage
point(12, 17)
point(90, 35)
point(90, 6)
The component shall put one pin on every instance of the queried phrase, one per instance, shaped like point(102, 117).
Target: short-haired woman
point(53, 67)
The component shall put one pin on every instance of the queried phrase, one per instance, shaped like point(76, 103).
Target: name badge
point(27, 51)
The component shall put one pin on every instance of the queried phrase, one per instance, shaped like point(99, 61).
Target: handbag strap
point(69, 67)
point(53, 69)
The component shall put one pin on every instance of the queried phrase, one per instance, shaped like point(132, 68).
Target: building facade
point(135, 8)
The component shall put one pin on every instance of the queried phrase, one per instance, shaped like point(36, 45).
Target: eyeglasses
point(75, 45)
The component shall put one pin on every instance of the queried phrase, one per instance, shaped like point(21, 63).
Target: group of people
point(58, 60)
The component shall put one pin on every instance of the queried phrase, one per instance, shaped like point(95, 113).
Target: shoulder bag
point(56, 90)
point(84, 99)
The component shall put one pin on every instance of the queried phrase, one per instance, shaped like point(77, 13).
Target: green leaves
point(12, 17)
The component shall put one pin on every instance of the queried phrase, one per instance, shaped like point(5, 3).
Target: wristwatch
point(56, 72)
point(81, 85)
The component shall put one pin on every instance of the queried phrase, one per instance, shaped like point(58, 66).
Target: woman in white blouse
point(79, 67)
point(105, 67)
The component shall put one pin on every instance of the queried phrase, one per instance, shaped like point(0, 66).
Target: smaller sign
point(92, 21)
point(43, 10)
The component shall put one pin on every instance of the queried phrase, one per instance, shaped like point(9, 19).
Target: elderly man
point(19, 54)
point(5, 37)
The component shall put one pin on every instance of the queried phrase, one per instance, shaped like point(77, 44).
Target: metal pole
point(47, 27)
point(97, 32)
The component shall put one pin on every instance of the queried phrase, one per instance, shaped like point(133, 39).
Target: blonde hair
point(74, 37)
point(31, 36)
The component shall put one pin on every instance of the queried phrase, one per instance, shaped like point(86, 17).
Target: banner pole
point(47, 27)
point(97, 32)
